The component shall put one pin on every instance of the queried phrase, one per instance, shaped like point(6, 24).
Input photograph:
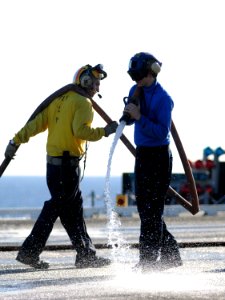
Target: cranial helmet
point(140, 65)
point(87, 74)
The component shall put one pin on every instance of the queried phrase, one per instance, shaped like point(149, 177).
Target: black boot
point(32, 261)
point(91, 261)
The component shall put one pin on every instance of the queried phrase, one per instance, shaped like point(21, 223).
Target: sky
point(44, 42)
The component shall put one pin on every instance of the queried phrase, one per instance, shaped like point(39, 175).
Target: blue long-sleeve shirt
point(153, 128)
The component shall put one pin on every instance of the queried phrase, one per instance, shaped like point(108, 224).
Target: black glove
point(110, 128)
point(10, 150)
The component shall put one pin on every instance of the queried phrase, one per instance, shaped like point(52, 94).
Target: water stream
point(115, 238)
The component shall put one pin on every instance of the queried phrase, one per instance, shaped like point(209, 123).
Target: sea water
point(32, 191)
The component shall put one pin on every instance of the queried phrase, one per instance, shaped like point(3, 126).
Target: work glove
point(110, 128)
point(10, 150)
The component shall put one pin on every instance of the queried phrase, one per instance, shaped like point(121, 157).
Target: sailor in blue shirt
point(151, 114)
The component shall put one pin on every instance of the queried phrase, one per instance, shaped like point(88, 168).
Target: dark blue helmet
point(140, 65)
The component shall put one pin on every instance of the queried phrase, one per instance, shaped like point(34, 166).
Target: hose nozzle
point(126, 116)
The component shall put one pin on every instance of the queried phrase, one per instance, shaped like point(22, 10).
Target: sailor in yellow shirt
point(67, 115)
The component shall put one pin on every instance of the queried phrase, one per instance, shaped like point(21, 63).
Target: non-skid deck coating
point(202, 275)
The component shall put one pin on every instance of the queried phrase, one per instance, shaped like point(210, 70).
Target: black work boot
point(91, 261)
point(34, 262)
point(170, 259)
point(170, 253)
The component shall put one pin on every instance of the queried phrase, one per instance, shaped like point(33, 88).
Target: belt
point(59, 160)
point(155, 149)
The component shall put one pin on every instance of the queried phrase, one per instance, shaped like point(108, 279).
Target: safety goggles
point(137, 75)
point(98, 72)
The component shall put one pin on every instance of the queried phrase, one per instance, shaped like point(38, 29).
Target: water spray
point(115, 239)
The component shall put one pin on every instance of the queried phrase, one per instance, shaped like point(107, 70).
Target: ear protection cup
point(86, 81)
point(154, 66)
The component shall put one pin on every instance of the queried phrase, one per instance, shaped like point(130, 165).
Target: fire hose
point(192, 206)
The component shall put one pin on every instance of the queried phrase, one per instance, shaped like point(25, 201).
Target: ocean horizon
point(32, 191)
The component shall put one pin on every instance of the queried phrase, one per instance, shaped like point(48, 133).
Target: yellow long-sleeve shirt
point(68, 120)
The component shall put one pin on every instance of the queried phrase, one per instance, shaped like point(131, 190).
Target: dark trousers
point(66, 203)
point(153, 167)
